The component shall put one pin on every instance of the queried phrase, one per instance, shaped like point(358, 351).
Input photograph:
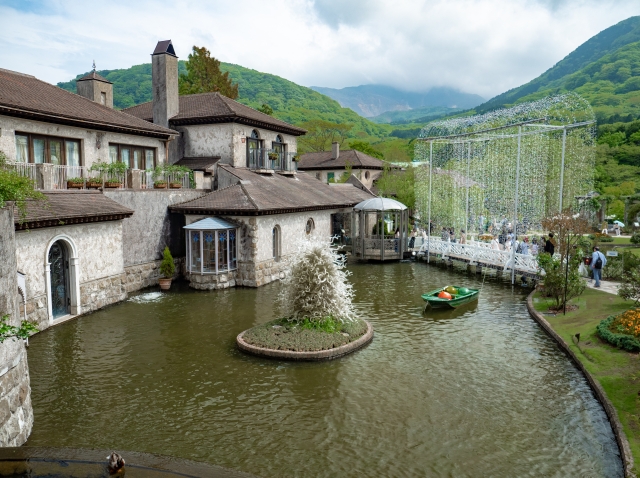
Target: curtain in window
point(148, 161)
point(22, 149)
point(55, 151)
point(113, 154)
point(38, 151)
point(195, 251)
point(73, 153)
point(137, 159)
point(125, 156)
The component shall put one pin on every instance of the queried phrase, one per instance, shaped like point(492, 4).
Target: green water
point(480, 391)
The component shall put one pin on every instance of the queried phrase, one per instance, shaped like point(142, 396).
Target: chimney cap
point(164, 47)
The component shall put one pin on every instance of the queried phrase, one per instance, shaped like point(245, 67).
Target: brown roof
point(352, 192)
point(70, 207)
point(27, 97)
point(271, 194)
point(358, 184)
point(94, 76)
point(164, 46)
point(206, 108)
point(199, 164)
point(322, 160)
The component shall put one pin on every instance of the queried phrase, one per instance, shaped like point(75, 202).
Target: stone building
point(332, 165)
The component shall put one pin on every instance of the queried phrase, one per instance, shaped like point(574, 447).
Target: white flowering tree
point(317, 286)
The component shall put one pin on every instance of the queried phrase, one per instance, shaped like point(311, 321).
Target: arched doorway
point(59, 279)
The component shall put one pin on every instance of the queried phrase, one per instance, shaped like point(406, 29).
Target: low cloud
point(479, 46)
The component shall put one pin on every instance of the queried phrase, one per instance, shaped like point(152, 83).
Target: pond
point(474, 392)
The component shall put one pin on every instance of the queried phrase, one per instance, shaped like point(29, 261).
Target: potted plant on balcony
point(273, 156)
point(160, 184)
point(115, 174)
point(167, 269)
point(296, 158)
point(101, 168)
point(75, 183)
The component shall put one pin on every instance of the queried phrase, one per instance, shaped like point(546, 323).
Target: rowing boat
point(463, 296)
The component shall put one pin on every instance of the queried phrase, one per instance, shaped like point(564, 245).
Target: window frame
point(132, 148)
point(276, 246)
point(231, 253)
point(309, 229)
point(47, 148)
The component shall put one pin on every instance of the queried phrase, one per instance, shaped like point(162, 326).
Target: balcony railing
point(271, 160)
point(55, 177)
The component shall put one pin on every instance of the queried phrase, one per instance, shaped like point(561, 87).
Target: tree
point(204, 76)
point(266, 109)
point(562, 281)
point(366, 148)
point(15, 187)
point(630, 287)
point(398, 184)
point(321, 134)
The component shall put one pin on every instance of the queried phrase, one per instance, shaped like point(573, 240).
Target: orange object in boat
point(444, 295)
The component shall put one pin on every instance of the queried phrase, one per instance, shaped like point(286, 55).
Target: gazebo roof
point(211, 223)
point(380, 204)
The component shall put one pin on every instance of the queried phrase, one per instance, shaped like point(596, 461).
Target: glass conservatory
point(380, 229)
point(212, 246)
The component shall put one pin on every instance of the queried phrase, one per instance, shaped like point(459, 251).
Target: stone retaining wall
point(16, 413)
point(139, 276)
point(612, 414)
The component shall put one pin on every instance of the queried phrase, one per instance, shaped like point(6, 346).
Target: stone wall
point(139, 276)
point(152, 226)
point(16, 413)
point(94, 144)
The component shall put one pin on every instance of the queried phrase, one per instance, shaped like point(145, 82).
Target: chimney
point(96, 88)
point(164, 70)
point(335, 150)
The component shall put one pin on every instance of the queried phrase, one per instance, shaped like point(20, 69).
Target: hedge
point(622, 341)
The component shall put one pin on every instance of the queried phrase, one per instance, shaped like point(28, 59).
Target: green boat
point(462, 296)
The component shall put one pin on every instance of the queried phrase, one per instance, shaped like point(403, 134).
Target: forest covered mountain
point(371, 101)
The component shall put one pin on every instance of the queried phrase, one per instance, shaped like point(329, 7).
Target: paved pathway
point(606, 286)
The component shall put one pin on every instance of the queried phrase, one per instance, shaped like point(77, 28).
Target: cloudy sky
point(478, 46)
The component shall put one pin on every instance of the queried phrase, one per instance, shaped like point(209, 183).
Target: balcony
point(269, 161)
point(47, 177)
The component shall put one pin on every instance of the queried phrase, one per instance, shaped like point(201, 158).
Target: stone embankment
point(16, 412)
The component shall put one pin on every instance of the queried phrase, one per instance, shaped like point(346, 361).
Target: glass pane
point(232, 249)
point(113, 154)
point(274, 233)
point(222, 251)
point(195, 251)
point(59, 290)
point(73, 153)
point(148, 161)
point(22, 149)
point(208, 251)
point(137, 159)
point(38, 151)
point(55, 151)
point(125, 156)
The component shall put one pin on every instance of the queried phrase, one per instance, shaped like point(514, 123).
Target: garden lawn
point(617, 371)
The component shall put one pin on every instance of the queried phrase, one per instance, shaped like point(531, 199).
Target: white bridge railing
point(480, 253)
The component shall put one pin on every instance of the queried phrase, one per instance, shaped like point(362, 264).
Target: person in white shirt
point(598, 261)
point(495, 245)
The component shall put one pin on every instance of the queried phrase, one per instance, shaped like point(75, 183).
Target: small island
point(318, 321)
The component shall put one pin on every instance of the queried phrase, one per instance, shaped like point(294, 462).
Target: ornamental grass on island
point(315, 303)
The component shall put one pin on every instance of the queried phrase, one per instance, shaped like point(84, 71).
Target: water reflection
point(477, 391)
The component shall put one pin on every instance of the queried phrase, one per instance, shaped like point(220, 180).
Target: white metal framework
point(212, 246)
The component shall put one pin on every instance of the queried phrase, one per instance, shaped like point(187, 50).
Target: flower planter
point(73, 185)
point(165, 284)
point(175, 185)
point(159, 185)
point(112, 184)
point(94, 184)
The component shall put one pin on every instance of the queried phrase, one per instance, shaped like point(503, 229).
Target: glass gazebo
point(212, 246)
point(379, 229)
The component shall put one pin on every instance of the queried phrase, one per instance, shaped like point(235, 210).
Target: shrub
point(620, 340)
point(635, 239)
point(75, 180)
point(316, 288)
point(167, 267)
point(9, 331)
point(630, 287)
point(17, 188)
point(555, 275)
point(606, 239)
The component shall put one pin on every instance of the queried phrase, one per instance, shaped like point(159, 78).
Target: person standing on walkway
point(550, 244)
point(598, 261)
point(463, 237)
point(605, 228)
point(412, 241)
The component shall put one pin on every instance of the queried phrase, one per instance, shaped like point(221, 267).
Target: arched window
point(276, 242)
point(366, 175)
point(279, 139)
point(278, 148)
point(255, 135)
point(310, 226)
point(254, 155)
point(59, 279)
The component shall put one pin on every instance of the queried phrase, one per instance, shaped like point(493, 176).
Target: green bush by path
point(622, 341)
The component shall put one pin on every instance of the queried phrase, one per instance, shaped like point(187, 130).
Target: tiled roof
point(199, 164)
point(70, 207)
point(205, 108)
point(27, 97)
point(94, 76)
point(322, 160)
point(271, 194)
point(352, 192)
